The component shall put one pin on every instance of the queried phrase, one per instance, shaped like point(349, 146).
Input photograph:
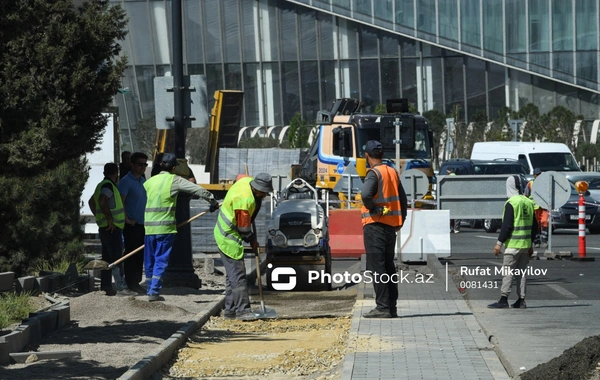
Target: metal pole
point(180, 271)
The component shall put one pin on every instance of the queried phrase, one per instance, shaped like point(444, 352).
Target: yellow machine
point(343, 133)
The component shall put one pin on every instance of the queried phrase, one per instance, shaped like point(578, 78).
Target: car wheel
point(490, 226)
point(594, 230)
point(475, 223)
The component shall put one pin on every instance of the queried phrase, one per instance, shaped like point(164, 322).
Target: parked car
point(464, 166)
point(592, 178)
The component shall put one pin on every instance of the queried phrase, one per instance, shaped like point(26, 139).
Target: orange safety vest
point(387, 195)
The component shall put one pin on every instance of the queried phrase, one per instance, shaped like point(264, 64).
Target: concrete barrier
point(6, 281)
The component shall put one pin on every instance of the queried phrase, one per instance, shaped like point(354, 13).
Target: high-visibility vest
point(118, 212)
point(159, 216)
point(386, 196)
point(521, 234)
point(227, 236)
point(530, 187)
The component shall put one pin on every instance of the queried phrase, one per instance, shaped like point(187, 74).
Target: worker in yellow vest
point(234, 227)
point(107, 206)
point(383, 214)
point(159, 220)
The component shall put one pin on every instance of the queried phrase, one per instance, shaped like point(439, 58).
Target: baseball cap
point(537, 171)
point(170, 159)
point(262, 182)
point(373, 146)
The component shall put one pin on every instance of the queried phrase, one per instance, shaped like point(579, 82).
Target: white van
point(544, 155)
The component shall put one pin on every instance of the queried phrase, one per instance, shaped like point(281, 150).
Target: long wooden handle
point(142, 246)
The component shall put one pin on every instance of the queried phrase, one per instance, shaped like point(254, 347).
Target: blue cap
point(373, 146)
point(170, 159)
point(537, 171)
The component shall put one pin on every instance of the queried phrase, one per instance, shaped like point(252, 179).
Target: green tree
point(259, 142)
point(380, 109)
point(437, 123)
point(59, 69)
point(298, 132)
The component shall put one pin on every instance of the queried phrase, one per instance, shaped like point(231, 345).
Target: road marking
point(487, 237)
point(593, 248)
point(561, 290)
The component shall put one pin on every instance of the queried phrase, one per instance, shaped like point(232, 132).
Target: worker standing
point(234, 227)
point(133, 193)
point(383, 213)
point(541, 214)
point(517, 235)
point(107, 206)
point(160, 223)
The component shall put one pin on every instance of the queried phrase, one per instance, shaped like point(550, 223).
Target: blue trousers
point(157, 249)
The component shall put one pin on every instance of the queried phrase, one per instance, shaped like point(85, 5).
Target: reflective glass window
point(251, 87)
point(212, 31)
point(587, 66)
point(214, 78)
point(310, 89)
point(389, 45)
point(249, 46)
point(160, 17)
point(543, 93)
point(408, 47)
point(368, 42)
point(369, 84)
point(492, 26)
point(326, 36)
point(562, 25)
point(268, 30)
point(470, 22)
point(590, 104)
point(496, 89)
point(232, 30)
point(145, 82)
point(562, 64)
point(347, 39)
point(476, 91)
point(287, 32)
point(363, 7)
point(308, 34)
point(349, 79)
point(192, 31)
point(328, 83)
point(409, 79)
point(405, 13)
point(139, 33)
point(291, 91)
point(566, 96)
point(539, 32)
point(453, 82)
point(390, 79)
point(426, 16)
point(448, 20)
point(586, 24)
point(233, 76)
point(434, 96)
point(341, 6)
point(515, 27)
point(272, 94)
point(383, 11)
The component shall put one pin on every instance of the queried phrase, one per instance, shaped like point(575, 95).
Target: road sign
point(415, 183)
point(194, 102)
point(551, 190)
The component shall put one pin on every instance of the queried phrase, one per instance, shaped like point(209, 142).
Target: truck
point(544, 155)
point(343, 131)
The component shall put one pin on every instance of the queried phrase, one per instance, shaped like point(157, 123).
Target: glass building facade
point(299, 56)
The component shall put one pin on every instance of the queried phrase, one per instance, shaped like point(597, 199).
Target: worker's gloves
point(214, 205)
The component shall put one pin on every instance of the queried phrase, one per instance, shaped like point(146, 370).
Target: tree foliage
point(298, 133)
point(58, 71)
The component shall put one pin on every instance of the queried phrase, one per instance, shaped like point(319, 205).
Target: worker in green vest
point(517, 234)
point(234, 227)
point(159, 220)
point(107, 206)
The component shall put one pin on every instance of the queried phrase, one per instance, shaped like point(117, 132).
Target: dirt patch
point(581, 361)
point(268, 349)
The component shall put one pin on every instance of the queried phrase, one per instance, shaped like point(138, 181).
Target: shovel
point(103, 265)
point(263, 312)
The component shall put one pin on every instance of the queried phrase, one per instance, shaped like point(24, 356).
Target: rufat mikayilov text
point(502, 271)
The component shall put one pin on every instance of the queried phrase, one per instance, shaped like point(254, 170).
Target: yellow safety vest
point(523, 211)
point(159, 216)
point(118, 212)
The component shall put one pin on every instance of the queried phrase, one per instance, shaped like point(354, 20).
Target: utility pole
point(180, 271)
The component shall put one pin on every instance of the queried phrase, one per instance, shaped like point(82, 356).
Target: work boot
point(126, 293)
point(228, 314)
point(394, 312)
point(155, 297)
point(501, 304)
point(520, 304)
point(246, 315)
point(375, 313)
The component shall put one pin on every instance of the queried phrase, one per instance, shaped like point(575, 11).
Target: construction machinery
point(298, 238)
point(342, 134)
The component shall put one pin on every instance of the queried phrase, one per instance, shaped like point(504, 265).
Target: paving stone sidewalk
point(436, 336)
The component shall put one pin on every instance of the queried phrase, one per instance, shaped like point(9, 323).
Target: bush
point(14, 308)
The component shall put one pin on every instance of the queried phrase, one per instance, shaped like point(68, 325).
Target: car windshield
point(560, 162)
point(499, 169)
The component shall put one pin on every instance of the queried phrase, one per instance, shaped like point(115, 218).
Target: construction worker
point(159, 220)
point(133, 193)
point(541, 215)
point(383, 213)
point(517, 235)
point(234, 227)
point(107, 206)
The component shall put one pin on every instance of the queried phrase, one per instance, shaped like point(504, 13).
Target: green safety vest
point(159, 216)
point(521, 234)
point(227, 236)
point(118, 212)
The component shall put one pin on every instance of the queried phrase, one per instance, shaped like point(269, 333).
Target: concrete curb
point(348, 365)
point(153, 362)
point(491, 353)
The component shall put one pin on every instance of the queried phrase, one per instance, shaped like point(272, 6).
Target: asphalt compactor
point(297, 244)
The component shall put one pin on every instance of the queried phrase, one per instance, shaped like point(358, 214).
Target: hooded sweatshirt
point(512, 189)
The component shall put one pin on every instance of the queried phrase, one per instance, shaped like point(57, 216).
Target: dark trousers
point(112, 250)
point(134, 265)
point(237, 298)
point(156, 260)
point(380, 242)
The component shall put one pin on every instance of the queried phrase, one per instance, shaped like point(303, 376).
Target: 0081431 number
point(478, 284)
